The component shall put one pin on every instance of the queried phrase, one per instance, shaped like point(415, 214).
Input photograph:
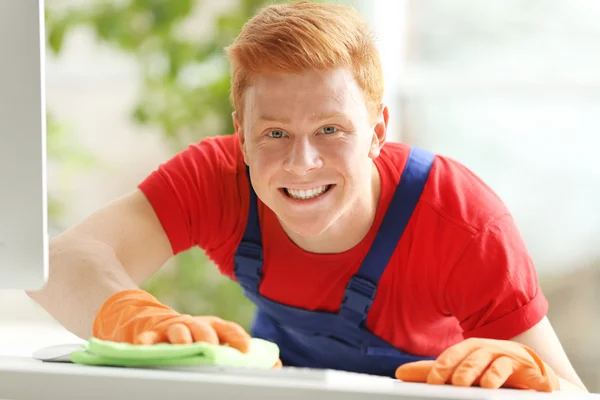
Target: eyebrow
point(318, 117)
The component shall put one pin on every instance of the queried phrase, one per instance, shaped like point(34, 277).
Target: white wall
point(512, 89)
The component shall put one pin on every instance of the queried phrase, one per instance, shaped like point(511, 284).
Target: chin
point(308, 226)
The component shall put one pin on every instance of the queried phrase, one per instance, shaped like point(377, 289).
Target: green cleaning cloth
point(262, 354)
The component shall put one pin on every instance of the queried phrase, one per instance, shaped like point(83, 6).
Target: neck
point(351, 228)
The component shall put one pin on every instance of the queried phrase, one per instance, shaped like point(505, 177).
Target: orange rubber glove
point(486, 363)
point(136, 317)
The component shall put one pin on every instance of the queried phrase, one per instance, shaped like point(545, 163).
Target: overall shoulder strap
point(248, 257)
point(361, 289)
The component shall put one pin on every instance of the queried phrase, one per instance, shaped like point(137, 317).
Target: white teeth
point(306, 194)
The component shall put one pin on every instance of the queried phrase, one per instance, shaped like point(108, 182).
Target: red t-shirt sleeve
point(493, 290)
point(195, 194)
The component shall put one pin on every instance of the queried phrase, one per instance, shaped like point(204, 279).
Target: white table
point(24, 378)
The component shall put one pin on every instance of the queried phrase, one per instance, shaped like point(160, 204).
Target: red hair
point(289, 38)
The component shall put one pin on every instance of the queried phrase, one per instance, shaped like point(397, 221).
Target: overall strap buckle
point(358, 297)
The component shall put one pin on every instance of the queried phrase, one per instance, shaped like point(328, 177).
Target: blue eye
point(277, 134)
point(329, 130)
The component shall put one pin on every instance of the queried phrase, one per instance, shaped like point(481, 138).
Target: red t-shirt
point(460, 270)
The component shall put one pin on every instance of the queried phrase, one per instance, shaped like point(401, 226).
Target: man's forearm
point(83, 273)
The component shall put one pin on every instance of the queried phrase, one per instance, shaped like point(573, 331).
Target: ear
point(239, 130)
point(379, 131)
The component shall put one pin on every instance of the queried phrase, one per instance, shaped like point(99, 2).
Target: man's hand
point(487, 363)
point(135, 316)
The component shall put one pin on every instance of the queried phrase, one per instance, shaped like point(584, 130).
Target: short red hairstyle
point(290, 38)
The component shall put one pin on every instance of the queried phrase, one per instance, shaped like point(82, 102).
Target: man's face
point(309, 143)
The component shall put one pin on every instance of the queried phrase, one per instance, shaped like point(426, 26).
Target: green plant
point(67, 156)
point(185, 78)
point(184, 91)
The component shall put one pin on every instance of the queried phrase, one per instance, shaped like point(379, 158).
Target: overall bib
point(339, 340)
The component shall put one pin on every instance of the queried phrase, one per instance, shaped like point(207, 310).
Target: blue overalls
point(335, 340)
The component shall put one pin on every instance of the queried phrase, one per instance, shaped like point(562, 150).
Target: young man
point(360, 254)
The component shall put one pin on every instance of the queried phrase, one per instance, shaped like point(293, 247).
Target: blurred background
point(510, 88)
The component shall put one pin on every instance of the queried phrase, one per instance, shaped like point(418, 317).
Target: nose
point(303, 157)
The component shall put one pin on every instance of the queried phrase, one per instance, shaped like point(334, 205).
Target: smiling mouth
point(307, 194)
